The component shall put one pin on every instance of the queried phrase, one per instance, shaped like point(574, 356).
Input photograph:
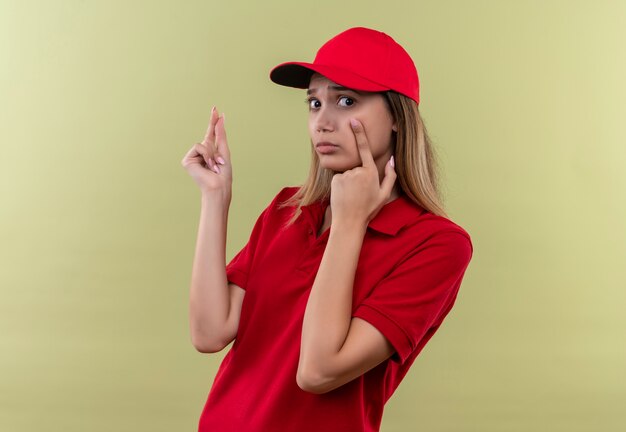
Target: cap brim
point(298, 75)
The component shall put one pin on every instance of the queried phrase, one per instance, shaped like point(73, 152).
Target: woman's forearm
point(209, 299)
point(329, 308)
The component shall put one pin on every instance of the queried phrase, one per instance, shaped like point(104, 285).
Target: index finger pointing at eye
point(362, 144)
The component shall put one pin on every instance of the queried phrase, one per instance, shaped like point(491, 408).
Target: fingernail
point(223, 118)
point(217, 168)
point(393, 163)
point(353, 122)
point(213, 109)
point(221, 160)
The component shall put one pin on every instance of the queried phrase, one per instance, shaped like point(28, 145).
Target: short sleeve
point(238, 269)
point(418, 292)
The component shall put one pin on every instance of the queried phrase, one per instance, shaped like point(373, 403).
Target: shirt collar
point(395, 215)
point(391, 218)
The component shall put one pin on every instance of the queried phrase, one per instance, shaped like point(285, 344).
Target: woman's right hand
point(208, 162)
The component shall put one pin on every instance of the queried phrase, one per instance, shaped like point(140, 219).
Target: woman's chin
point(335, 165)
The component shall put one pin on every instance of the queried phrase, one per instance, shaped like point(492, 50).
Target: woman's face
point(330, 109)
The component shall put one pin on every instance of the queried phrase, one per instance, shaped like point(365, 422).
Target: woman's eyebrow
point(336, 88)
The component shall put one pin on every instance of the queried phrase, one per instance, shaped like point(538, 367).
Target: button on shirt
point(410, 269)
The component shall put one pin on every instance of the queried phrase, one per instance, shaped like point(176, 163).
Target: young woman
point(345, 278)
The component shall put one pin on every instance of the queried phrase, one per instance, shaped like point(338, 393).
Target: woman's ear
point(394, 128)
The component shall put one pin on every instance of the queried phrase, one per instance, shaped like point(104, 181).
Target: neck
point(395, 193)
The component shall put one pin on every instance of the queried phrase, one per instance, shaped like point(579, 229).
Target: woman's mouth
point(326, 147)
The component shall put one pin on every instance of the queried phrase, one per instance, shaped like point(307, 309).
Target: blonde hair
point(415, 159)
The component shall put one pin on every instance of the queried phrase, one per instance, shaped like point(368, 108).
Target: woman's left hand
point(357, 195)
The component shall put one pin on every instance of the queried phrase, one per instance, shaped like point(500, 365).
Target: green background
point(99, 101)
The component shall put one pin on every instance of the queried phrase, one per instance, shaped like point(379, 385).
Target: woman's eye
point(312, 102)
point(349, 101)
point(344, 101)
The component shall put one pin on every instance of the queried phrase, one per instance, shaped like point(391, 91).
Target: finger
point(221, 138)
point(201, 151)
point(207, 148)
point(362, 144)
point(390, 178)
point(191, 154)
point(209, 136)
point(194, 155)
point(209, 140)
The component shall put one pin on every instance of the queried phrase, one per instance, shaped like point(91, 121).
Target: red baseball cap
point(359, 58)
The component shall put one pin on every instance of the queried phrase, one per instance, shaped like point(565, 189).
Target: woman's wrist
point(215, 197)
point(357, 226)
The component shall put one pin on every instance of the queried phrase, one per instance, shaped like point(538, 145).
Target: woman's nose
point(324, 121)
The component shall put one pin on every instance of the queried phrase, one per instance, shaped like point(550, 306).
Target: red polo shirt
point(410, 268)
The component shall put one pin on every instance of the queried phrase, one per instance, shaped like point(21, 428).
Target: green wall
point(100, 100)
